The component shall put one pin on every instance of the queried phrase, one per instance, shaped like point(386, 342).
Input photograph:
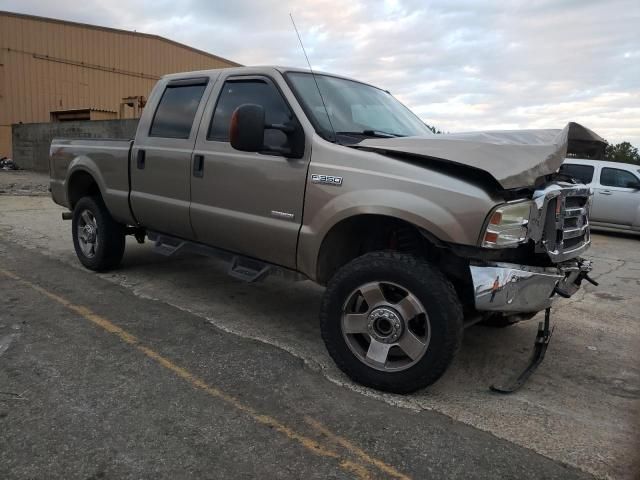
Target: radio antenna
point(326, 110)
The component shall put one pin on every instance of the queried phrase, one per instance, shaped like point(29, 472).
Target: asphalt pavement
point(580, 409)
point(97, 382)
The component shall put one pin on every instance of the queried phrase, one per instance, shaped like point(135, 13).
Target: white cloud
point(460, 64)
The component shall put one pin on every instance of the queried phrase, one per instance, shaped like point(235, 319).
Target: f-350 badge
point(326, 180)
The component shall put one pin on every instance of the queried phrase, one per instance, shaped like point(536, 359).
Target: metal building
point(54, 70)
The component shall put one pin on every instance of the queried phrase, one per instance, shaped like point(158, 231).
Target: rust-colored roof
point(116, 30)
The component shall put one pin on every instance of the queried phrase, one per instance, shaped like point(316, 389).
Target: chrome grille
point(562, 226)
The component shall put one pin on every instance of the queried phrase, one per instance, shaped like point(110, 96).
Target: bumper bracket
point(543, 337)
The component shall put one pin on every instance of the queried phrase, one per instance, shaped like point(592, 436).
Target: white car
point(616, 188)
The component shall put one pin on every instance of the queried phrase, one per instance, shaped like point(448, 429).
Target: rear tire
point(395, 303)
point(97, 238)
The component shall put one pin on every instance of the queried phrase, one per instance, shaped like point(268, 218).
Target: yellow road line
point(357, 467)
point(358, 452)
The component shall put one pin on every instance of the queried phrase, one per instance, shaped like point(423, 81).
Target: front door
point(161, 156)
point(617, 198)
point(248, 203)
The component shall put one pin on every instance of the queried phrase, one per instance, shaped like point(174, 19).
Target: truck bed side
point(77, 166)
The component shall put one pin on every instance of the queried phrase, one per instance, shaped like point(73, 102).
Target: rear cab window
point(582, 173)
point(177, 108)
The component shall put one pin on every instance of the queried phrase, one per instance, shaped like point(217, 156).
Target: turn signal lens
point(507, 225)
point(491, 237)
point(496, 218)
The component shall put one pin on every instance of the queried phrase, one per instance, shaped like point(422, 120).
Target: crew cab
point(321, 177)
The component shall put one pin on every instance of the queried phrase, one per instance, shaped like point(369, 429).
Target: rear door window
point(615, 177)
point(583, 173)
point(177, 110)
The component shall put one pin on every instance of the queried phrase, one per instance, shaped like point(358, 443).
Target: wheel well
point(358, 235)
point(81, 184)
point(361, 234)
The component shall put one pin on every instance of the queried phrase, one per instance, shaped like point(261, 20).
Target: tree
point(433, 129)
point(622, 152)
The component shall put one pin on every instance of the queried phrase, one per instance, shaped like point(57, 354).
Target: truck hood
point(514, 158)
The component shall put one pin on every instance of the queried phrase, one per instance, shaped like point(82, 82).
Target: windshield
point(354, 108)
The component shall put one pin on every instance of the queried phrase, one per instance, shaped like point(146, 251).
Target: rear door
point(161, 156)
point(248, 203)
point(617, 198)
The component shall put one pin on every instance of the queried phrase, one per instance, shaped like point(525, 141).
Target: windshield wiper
point(372, 133)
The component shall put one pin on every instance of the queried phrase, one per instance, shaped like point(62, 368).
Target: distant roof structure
point(117, 30)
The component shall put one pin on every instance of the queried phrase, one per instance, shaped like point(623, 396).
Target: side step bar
point(240, 267)
point(248, 270)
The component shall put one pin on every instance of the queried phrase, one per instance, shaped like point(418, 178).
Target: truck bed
point(110, 158)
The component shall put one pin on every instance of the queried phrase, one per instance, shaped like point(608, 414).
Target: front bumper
point(506, 287)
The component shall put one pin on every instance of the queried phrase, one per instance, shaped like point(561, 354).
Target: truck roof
point(603, 163)
point(261, 69)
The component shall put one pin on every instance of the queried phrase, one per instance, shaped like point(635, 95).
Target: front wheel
point(391, 321)
point(97, 238)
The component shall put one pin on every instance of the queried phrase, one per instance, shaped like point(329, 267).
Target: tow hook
point(543, 337)
point(572, 283)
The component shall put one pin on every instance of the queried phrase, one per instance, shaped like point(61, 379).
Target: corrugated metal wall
point(48, 65)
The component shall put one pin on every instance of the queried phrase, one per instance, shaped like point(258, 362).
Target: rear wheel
point(97, 238)
point(391, 321)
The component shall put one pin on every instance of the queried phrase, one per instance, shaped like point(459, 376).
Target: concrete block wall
point(31, 141)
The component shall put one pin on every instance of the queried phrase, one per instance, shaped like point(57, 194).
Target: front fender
point(418, 211)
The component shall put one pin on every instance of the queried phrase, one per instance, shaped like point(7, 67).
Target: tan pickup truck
point(415, 235)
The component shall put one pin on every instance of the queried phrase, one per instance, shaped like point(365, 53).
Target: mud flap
point(543, 337)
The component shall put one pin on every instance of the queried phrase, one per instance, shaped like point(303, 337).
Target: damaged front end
point(557, 224)
point(512, 288)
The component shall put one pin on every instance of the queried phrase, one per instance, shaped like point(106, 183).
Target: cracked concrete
point(581, 408)
point(22, 182)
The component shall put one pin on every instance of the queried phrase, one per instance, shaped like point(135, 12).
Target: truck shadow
point(285, 314)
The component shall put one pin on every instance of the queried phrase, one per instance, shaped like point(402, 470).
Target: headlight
point(507, 225)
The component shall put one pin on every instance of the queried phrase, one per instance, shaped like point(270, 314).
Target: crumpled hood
point(515, 158)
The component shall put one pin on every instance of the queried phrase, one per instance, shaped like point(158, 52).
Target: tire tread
point(112, 236)
point(433, 279)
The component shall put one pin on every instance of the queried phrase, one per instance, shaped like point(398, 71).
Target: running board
point(248, 270)
point(240, 267)
point(166, 246)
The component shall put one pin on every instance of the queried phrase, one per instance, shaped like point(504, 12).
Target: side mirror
point(246, 132)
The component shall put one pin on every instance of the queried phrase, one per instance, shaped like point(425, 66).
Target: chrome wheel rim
point(385, 326)
point(87, 230)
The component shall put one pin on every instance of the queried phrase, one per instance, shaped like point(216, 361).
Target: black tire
point(433, 291)
point(110, 236)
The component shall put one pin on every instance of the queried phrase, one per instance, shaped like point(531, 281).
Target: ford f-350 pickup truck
point(414, 235)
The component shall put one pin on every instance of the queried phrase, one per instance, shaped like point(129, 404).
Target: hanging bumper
point(506, 287)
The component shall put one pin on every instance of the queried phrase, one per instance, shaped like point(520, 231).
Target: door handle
point(198, 166)
point(606, 192)
point(140, 159)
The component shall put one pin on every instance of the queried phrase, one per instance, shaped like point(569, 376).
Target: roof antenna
point(333, 130)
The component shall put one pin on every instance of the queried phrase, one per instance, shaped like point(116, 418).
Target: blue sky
point(459, 64)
